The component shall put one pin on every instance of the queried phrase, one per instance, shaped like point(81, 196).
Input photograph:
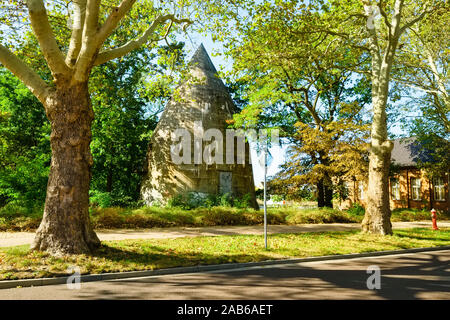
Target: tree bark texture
point(320, 194)
point(377, 218)
point(65, 227)
point(328, 192)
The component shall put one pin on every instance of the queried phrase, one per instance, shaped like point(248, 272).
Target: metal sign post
point(265, 196)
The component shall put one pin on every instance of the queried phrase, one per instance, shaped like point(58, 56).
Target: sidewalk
point(8, 239)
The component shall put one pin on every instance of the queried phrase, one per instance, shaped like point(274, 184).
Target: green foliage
point(17, 216)
point(277, 197)
point(176, 201)
point(356, 210)
point(416, 215)
point(244, 202)
point(306, 86)
point(225, 200)
point(24, 144)
point(192, 200)
point(126, 102)
point(421, 76)
point(127, 94)
point(100, 199)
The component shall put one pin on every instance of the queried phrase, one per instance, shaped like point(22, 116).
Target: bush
point(18, 218)
point(225, 200)
point(276, 198)
point(416, 215)
point(107, 217)
point(356, 210)
point(245, 202)
point(100, 199)
point(15, 217)
point(319, 215)
point(193, 200)
point(176, 201)
point(145, 221)
point(121, 199)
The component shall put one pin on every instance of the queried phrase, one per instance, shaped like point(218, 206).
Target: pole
point(265, 197)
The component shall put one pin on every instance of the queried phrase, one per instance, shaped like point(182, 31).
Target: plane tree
point(376, 27)
point(70, 57)
point(303, 82)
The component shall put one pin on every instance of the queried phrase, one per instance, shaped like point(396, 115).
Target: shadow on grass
point(155, 257)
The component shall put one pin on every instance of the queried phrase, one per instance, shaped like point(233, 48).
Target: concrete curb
point(6, 284)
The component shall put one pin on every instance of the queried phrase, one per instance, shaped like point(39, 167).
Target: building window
point(345, 192)
point(415, 188)
point(439, 189)
point(360, 190)
point(395, 189)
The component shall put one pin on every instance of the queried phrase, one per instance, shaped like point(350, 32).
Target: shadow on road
point(422, 276)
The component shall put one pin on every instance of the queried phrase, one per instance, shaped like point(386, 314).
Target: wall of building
point(426, 200)
point(404, 176)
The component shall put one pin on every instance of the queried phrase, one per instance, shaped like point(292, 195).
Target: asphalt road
point(403, 276)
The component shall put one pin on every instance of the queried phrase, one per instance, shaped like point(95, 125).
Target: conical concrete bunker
point(201, 110)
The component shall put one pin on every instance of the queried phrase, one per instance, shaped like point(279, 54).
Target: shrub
point(225, 200)
point(223, 216)
point(356, 210)
point(100, 199)
point(414, 215)
point(121, 199)
point(193, 200)
point(318, 215)
point(244, 202)
point(14, 209)
point(107, 217)
point(140, 220)
point(276, 198)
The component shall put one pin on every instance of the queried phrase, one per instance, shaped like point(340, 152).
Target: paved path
point(8, 239)
point(424, 275)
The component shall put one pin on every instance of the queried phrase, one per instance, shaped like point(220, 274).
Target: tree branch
point(22, 71)
point(77, 32)
point(384, 15)
point(89, 45)
point(108, 55)
point(91, 20)
point(44, 34)
point(415, 20)
point(113, 19)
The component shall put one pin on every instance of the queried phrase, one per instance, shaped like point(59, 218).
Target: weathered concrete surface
point(8, 239)
point(424, 275)
point(203, 98)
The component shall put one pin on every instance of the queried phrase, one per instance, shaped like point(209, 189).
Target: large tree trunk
point(378, 214)
point(377, 218)
point(324, 193)
point(320, 194)
point(328, 191)
point(65, 227)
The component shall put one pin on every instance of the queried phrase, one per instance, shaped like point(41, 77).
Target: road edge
point(8, 284)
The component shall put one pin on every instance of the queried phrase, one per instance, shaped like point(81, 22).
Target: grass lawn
point(19, 263)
